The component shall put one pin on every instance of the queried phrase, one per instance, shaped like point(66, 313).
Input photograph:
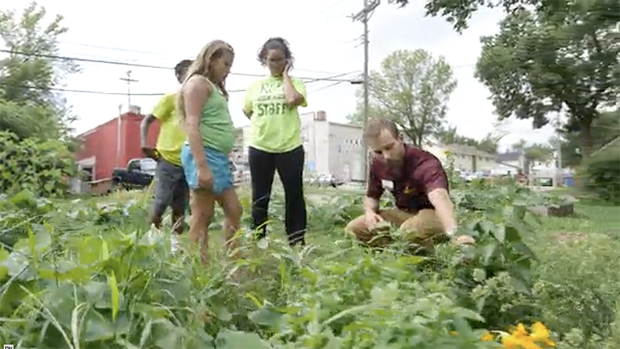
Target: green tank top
point(216, 126)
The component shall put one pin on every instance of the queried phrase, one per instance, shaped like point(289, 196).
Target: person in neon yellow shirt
point(170, 184)
point(275, 144)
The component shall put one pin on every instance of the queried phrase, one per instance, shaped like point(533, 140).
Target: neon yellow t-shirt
point(171, 136)
point(274, 126)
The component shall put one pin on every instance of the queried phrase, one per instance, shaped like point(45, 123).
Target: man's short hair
point(374, 127)
point(182, 66)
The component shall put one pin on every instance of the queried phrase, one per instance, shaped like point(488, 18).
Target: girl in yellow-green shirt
point(271, 104)
point(203, 106)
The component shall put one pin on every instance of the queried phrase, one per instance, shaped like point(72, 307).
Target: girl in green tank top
point(203, 107)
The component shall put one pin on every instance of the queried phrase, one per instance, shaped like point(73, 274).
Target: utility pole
point(558, 165)
point(129, 80)
point(364, 16)
point(119, 121)
point(118, 135)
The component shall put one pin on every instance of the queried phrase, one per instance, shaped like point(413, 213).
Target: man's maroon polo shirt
point(421, 173)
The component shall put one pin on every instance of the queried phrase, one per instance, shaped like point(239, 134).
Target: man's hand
point(463, 240)
point(150, 152)
point(371, 219)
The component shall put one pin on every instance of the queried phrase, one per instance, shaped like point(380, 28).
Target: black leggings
point(290, 167)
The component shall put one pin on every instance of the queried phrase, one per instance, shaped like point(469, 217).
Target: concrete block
point(559, 210)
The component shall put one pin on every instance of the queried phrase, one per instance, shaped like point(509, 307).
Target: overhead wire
point(325, 87)
point(336, 79)
point(160, 54)
point(59, 89)
point(140, 65)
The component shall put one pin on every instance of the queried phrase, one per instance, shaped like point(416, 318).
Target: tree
point(544, 63)
point(519, 146)
point(412, 88)
point(490, 143)
point(28, 75)
point(459, 12)
point(538, 152)
point(604, 129)
point(450, 135)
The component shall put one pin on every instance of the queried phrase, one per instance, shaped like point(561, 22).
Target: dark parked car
point(138, 174)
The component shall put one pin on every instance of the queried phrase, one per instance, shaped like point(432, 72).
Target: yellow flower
point(519, 342)
point(511, 342)
point(487, 337)
point(520, 331)
point(520, 339)
point(540, 334)
point(453, 333)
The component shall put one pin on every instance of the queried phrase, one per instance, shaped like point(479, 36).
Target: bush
point(41, 167)
point(602, 173)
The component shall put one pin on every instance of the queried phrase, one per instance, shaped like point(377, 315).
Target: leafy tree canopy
point(459, 12)
point(28, 105)
point(489, 143)
point(412, 88)
point(545, 62)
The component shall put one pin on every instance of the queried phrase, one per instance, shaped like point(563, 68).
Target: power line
point(58, 89)
point(326, 87)
point(160, 54)
point(149, 66)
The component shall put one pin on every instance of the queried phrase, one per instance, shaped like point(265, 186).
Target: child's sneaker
point(174, 243)
point(262, 243)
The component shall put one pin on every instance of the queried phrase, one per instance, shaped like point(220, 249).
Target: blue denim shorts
point(218, 164)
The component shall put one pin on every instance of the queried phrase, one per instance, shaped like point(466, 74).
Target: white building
point(331, 148)
point(464, 157)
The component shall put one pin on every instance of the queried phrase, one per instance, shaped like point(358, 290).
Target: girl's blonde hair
point(200, 66)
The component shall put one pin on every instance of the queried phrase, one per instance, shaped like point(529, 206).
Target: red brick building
point(102, 150)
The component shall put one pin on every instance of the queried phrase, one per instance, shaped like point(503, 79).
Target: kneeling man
point(419, 184)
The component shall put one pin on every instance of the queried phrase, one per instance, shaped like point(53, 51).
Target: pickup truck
point(138, 174)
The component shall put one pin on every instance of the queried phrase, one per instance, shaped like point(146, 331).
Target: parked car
point(237, 173)
point(138, 174)
point(326, 180)
point(464, 175)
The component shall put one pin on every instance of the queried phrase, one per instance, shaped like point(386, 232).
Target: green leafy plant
point(90, 274)
point(43, 167)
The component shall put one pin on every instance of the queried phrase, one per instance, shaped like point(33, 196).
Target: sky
point(324, 41)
